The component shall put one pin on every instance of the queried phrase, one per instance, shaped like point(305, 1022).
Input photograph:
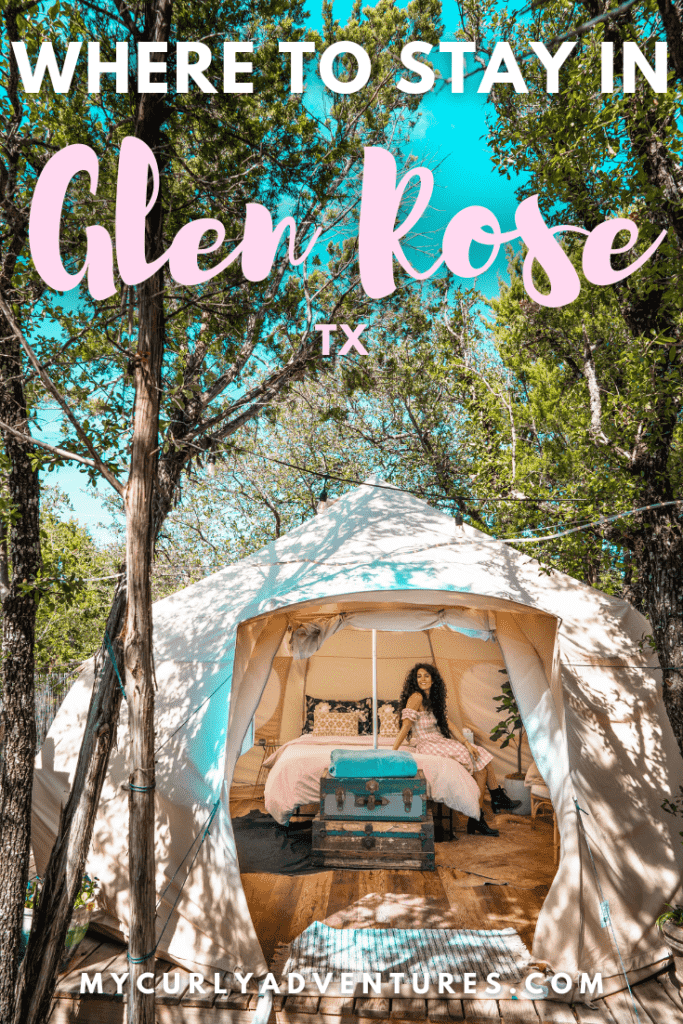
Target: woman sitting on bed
point(423, 709)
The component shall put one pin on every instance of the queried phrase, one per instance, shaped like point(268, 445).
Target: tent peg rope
point(193, 712)
point(604, 903)
point(204, 831)
point(110, 650)
point(201, 835)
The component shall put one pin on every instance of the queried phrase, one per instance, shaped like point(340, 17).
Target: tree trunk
point(20, 548)
point(672, 20)
point(659, 556)
point(138, 656)
point(18, 724)
point(67, 860)
point(38, 974)
point(140, 537)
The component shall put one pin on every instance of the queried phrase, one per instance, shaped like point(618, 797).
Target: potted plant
point(670, 924)
point(85, 903)
point(510, 730)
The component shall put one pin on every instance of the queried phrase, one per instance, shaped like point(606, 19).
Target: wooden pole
point(38, 973)
point(137, 650)
point(374, 689)
point(139, 501)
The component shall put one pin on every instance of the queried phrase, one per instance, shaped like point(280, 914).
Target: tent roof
point(379, 538)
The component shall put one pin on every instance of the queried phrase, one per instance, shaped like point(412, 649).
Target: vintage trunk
point(386, 799)
point(396, 845)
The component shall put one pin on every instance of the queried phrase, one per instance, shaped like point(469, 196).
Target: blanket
point(297, 767)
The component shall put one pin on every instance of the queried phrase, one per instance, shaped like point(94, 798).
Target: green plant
point(673, 914)
point(87, 893)
point(511, 728)
point(33, 887)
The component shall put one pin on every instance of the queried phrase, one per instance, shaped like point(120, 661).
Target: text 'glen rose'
point(379, 235)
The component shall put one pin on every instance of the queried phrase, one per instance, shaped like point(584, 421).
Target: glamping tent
point(379, 558)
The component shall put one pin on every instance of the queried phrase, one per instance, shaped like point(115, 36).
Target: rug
point(264, 847)
point(422, 952)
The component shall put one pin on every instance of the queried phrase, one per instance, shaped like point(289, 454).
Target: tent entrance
point(489, 884)
point(339, 666)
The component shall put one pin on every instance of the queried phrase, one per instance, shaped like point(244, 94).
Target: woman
point(423, 707)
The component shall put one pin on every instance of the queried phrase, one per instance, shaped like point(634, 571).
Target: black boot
point(479, 825)
point(500, 801)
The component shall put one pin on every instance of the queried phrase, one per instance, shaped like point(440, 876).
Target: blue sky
point(86, 500)
point(449, 137)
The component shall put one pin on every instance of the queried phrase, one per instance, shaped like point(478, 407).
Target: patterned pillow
point(364, 707)
point(335, 723)
point(387, 713)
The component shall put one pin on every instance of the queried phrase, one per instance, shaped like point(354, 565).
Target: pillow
point(387, 713)
point(335, 723)
point(363, 707)
point(395, 704)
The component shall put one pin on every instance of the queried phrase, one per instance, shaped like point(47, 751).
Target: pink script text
point(379, 236)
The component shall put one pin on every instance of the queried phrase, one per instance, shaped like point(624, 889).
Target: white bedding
point(297, 767)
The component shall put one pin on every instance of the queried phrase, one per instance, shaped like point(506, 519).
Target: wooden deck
point(451, 896)
point(659, 1001)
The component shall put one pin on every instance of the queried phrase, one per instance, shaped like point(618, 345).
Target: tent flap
point(309, 637)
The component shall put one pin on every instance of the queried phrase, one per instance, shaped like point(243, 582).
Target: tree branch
point(61, 453)
point(596, 432)
point(52, 389)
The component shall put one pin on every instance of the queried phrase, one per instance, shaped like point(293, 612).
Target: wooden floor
point(459, 894)
point(521, 857)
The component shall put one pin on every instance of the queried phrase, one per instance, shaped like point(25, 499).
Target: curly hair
point(434, 701)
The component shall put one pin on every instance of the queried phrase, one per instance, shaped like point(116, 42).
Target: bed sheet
point(297, 767)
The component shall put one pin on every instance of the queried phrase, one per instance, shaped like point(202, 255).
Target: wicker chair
point(540, 799)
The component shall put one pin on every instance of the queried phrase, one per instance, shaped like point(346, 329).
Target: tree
point(605, 372)
point(23, 152)
point(500, 434)
point(189, 367)
point(75, 583)
point(393, 415)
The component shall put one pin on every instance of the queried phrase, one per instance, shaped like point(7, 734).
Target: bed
point(297, 767)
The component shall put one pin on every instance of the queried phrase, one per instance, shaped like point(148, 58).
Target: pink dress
point(430, 740)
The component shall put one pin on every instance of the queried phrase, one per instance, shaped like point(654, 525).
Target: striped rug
point(425, 952)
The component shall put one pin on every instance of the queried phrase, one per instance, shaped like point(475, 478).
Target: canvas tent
point(589, 696)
